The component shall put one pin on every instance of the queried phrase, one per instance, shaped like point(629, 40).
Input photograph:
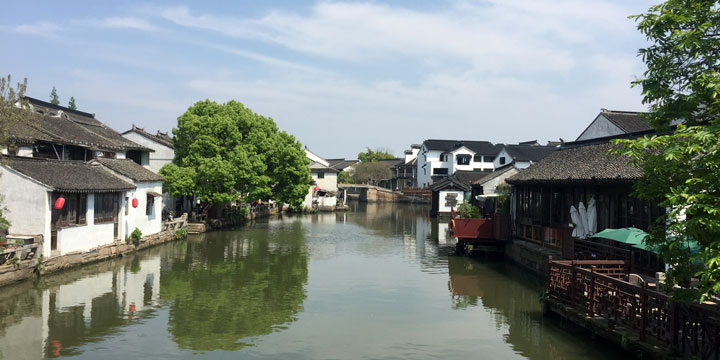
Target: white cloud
point(40, 28)
point(125, 23)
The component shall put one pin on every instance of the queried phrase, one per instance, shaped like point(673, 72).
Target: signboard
point(451, 199)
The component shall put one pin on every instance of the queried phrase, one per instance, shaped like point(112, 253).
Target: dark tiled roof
point(532, 153)
point(627, 121)
point(459, 180)
point(314, 165)
point(479, 147)
point(131, 169)
point(393, 162)
point(60, 125)
point(498, 171)
point(69, 176)
point(339, 164)
point(161, 138)
point(589, 163)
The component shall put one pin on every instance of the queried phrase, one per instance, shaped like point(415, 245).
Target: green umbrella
point(691, 244)
point(630, 236)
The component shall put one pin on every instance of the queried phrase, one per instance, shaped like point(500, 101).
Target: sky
point(339, 75)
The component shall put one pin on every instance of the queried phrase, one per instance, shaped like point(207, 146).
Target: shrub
point(136, 235)
point(468, 211)
point(181, 233)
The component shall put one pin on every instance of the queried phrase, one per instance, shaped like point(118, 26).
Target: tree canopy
point(370, 172)
point(377, 155)
point(681, 169)
point(222, 150)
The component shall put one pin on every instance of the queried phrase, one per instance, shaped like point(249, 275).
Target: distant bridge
point(370, 193)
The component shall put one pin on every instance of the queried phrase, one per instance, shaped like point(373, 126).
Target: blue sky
point(339, 75)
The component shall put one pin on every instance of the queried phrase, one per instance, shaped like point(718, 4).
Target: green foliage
point(682, 170)
point(181, 233)
point(243, 288)
point(681, 81)
point(243, 213)
point(370, 172)
point(503, 199)
point(54, 99)
point(343, 178)
point(377, 155)
point(13, 107)
point(223, 149)
point(468, 211)
point(71, 104)
point(136, 235)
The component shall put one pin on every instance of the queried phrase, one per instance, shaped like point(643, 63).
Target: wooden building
point(544, 193)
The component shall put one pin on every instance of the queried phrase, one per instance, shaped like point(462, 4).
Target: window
point(489, 158)
point(440, 171)
point(463, 159)
point(105, 207)
point(502, 160)
point(149, 204)
point(73, 213)
point(477, 158)
point(321, 175)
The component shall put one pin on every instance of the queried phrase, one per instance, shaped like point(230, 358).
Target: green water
point(374, 283)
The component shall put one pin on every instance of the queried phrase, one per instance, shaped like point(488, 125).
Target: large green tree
point(225, 149)
point(682, 167)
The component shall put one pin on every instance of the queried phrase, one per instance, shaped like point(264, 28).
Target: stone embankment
point(26, 269)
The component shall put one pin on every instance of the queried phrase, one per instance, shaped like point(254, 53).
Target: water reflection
point(227, 288)
point(374, 282)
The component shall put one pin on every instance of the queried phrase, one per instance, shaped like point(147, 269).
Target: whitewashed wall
point(85, 237)
point(157, 159)
point(28, 205)
point(329, 182)
point(600, 127)
point(148, 224)
point(446, 209)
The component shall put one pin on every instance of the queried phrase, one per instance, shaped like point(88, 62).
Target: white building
point(521, 156)
point(438, 159)
point(147, 216)
point(614, 123)
point(323, 186)
point(54, 159)
point(161, 143)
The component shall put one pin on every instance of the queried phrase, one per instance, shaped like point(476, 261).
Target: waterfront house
point(488, 184)
point(614, 123)
point(68, 154)
point(452, 191)
point(90, 215)
point(577, 172)
point(438, 159)
point(406, 172)
point(65, 134)
point(323, 189)
point(342, 165)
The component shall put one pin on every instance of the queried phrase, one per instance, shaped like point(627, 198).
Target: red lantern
point(59, 203)
point(317, 188)
point(134, 202)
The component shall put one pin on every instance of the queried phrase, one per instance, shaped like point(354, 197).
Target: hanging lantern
point(317, 188)
point(59, 203)
point(134, 202)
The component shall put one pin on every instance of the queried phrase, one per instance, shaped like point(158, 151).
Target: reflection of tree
point(235, 285)
point(511, 295)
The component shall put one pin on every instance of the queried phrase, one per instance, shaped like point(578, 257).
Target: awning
point(152, 193)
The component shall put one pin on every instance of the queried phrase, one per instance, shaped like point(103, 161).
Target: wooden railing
point(595, 288)
point(11, 254)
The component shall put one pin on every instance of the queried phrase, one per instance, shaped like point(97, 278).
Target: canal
point(373, 283)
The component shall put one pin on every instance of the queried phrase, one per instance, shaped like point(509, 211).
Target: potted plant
point(135, 236)
point(468, 224)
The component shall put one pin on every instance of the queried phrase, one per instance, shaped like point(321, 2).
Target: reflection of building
point(67, 315)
